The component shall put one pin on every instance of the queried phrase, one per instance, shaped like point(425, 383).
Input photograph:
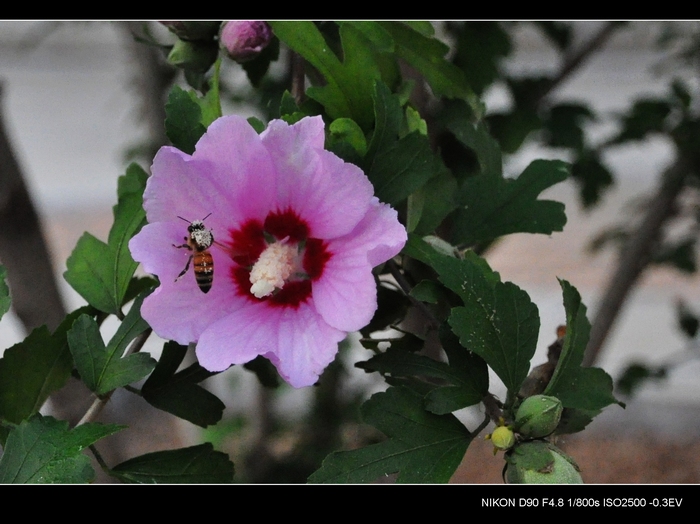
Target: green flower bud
point(193, 56)
point(502, 438)
point(539, 462)
point(538, 416)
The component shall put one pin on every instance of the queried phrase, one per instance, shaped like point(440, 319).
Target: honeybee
point(198, 242)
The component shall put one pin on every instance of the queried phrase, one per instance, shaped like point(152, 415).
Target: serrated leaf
point(494, 206)
point(183, 120)
point(397, 167)
point(466, 373)
point(43, 450)
point(375, 33)
point(132, 326)
point(470, 378)
point(179, 393)
point(481, 46)
point(498, 321)
point(459, 119)
point(193, 465)
point(348, 91)
point(427, 55)
point(90, 273)
point(100, 367)
point(422, 446)
point(33, 369)
point(577, 387)
point(5, 301)
point(133, 181)
point(99, 272)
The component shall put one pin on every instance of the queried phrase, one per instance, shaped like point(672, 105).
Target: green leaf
point(258, 67)
point(347, 130)
point(375, 33)
point(493, 206)
point(179, 393)
point(498, 321)
point(392, 306)
point(635, 375)
point(427, 291)
point(33, 369)
point(688, 320)
point(470, 378)
point(100, 367)
point(4, 292)
point(422, 446)
point(427, 56)
point(193, 465)
point(466, 373)
point(183, 120)
point(348, 89)
point(592, 176)
point(459, 119)
point(99, 272)
point(564, 125)
point(438, 198)
point(480, 48)
point(397, 167)
point(647, 116)
point(43, 450)
point(680, 255)
point(133, 182)
point(90, 271)
point(577, 387)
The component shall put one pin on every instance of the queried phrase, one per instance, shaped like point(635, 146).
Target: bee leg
point(187, 266)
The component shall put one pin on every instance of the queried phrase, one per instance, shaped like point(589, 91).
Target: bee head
point(197, 225)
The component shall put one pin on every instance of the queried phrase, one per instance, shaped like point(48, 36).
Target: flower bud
point(502, 438)
point(193, 56)
point(243, 40)
point(192, 30)
point(538, 416)
point(538, 462)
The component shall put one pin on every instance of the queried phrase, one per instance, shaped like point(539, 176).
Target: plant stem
point(635, 257)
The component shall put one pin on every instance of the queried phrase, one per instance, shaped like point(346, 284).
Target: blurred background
point(80, 100)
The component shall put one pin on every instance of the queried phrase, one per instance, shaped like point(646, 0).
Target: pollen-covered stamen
point(277, 264)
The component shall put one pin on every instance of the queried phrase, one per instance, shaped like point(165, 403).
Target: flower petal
point(346, 295)
point(179, 310)
point(240, 168)
point(313, 182)
point(297, 341)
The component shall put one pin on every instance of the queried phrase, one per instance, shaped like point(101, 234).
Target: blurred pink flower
point(296, 232)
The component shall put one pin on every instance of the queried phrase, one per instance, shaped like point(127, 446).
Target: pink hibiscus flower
point(296, 233)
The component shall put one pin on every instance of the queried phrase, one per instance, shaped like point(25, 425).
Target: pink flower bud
point(243, 40)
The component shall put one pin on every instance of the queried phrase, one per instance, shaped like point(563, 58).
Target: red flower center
point(253, 238)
